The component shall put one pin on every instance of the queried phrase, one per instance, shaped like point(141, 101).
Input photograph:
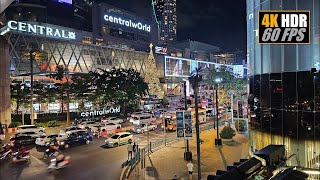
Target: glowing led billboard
point(64, 1)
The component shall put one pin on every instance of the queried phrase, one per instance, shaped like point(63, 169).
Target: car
point(23, 140)
point(143, 127)
point(30, 128)
point(31, 133)
point(131, 117)
point(119, 139)
point(67, 129)
point(76, 138)
point(109, 126)
point(86, 124)
point(112, 120)
point(44, 140)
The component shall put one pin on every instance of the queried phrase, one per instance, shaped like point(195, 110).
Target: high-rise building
point(285, 87)
point(166, 15)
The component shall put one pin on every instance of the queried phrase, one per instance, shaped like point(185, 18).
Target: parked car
point(86, 124)
point(30, 128)
point(44, 140)
point(32, 134)
point(112, 120)
point(76, 138)
point(119, 139)
point(22, 140)
point(143, 127)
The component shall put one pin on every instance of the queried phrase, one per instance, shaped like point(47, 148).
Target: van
point(30, 128)
point(137, 119)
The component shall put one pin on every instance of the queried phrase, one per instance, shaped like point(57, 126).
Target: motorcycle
point(60, 165)
point(17, 157)
point(5, 154)
point(50, 153)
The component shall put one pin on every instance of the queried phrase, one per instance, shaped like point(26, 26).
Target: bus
point(202, 116)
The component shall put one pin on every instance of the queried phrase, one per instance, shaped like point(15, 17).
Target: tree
point(20, 94)
point(152, 77)
point(63, 87)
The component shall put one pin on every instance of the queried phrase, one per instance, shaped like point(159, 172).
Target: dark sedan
point(76, 138)
point(23, 140)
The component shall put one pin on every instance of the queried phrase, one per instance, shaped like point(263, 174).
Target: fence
point(146, 150)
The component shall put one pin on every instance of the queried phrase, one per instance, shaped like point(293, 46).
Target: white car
point(109, 126)
point(112, 120)
point(143, 127)
point(30, 128)
point(86, 124)
point(67, 129)
point(31, 133)
point(119, 139)
point(45, 139)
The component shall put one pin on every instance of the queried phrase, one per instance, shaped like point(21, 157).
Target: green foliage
point(241, 125)
point(52, 123)
point(227, 133)
point(165, 101)
point(15, 124)
point(40, 124)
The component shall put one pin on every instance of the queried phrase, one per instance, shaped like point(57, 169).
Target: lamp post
point(195, 78)
point(217, 141)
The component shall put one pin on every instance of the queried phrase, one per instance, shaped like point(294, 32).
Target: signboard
point(284, 27)
point(110, 110)
point(188, 125)
point(161, 50)
point(178, 67)
point(127, 22)
point(37, 29)
point(180, 124)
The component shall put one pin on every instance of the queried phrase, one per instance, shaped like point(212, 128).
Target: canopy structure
point(4, 4)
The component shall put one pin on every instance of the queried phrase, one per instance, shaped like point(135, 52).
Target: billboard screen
point(178, 67)
point(64, 1)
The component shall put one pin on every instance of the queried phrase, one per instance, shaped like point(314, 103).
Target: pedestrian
point(190, 169)
point(134, 148)
point(104, 133)
point(130, 148)
point(98, 132)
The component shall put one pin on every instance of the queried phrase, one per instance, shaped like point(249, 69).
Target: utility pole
point(31, 85)
point(195, 79)
point(217, 141)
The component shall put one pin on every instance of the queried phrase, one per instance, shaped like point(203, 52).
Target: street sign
point(188, 125)
point(180, 124)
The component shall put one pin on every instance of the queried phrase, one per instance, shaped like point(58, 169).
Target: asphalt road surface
point(92, 161)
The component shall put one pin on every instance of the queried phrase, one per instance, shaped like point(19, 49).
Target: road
point(92, 161)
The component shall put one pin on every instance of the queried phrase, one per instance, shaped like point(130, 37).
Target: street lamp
point(217, 141)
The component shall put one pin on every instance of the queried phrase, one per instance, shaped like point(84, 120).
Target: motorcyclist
point(54, 146)
point(60, 158)
point(22, 152)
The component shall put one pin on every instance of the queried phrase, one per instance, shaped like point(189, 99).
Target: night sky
point(217, 22)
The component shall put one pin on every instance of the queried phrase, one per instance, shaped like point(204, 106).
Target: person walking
point(190, 169)
point(134, 148)
point(130, 149)
point(98, 132)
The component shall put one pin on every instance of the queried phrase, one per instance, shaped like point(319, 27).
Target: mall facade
point(284, 89)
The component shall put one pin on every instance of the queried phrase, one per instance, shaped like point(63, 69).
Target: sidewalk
point(169, 161)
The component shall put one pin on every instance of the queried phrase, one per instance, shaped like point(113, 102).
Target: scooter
point(4, 154)
point(60, 165)
point(18, 158)
point(50, 153)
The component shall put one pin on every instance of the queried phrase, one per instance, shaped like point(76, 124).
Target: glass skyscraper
point(284, 92)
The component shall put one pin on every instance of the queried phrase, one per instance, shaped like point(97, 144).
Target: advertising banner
point(180, 124)
point(188, 125)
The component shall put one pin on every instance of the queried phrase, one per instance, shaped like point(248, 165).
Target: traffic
point(106, 136)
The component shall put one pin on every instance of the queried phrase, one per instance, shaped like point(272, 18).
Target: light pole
point(217, 141)
point(188, 153)
point(195, 78)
